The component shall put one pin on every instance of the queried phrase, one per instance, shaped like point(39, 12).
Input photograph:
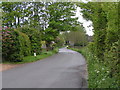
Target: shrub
point(112, 60)
point(25, 44)
point(91, 47)
point(35, 38)
point(59, 41)
point(100, 72)
point(15, 45)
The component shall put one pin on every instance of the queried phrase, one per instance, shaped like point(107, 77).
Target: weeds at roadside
point(98, 72)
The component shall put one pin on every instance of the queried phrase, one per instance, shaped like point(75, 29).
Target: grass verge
point(98, 72)
point(29, 59)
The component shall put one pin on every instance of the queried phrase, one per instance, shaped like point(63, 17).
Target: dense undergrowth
point(98, 72)
point(103, 55)
point(17, 44)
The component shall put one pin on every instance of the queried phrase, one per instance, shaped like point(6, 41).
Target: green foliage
point(38, 57)
point(98, 72)
point(60, 41)
point(60, 16)
point(24, 43)
point(113, 61)
point(50, 34)
point(15, 45)
point(105, 48)
point(50, 18)
point(29, 59)
point(105, 23)
point(78, 37)
point(35, 38)
point(11, 12)
point(56, 50)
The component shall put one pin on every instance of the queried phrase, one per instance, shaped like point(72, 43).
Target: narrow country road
point(66, 69)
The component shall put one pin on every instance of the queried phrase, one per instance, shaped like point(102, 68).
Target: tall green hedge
point(105, 18)
point(15, 45)
point(25, 44)
point(35, 38)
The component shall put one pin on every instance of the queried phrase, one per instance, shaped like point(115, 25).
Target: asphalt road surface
point(66, 69)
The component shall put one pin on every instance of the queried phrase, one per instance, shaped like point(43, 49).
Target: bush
point(59, 41)
point(112, 60)
point(15, 45)
point(79, 44)
point(35, 38)
point(100, 72)
point(25, 44)
point(91, 47)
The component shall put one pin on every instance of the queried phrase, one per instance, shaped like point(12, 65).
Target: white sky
point(86, 23)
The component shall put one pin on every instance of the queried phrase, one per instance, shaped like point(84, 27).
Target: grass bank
point(28, 59)
point(98, 72)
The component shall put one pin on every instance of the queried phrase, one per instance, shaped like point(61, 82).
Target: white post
point(34, 54)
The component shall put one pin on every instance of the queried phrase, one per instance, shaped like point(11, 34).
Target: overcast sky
point(89, 30)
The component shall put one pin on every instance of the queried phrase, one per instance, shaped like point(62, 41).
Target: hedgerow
point(105, 49)
point(35, 38)
point(15, 45)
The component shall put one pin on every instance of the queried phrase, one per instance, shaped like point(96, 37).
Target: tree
point(49, 18)
point(35, 38)
point(60, 16)
point(49, 35)
point(78, 37)
point(59, 19)
point(95, 12)
point(105, 18)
